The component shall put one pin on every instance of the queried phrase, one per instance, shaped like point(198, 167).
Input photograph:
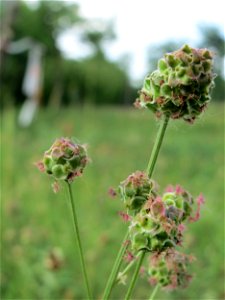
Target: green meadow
point(36, 222)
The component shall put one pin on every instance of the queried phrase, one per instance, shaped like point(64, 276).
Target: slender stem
point(115, 269)
point(78, 240)
point(154, 292)
point(157, 145)
point(134, 278)
point(150, 169)
point(130, 265)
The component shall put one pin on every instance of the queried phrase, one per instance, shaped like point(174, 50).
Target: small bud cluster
point(169, 269)
point(136, 190)
point(65, 160)
point(181, 85)
point(159, 224)
point(156, 226)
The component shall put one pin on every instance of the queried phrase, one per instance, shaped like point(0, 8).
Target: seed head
point(181, 85)
point(169, 269)
point(135, 191)
point(159, 224)
point(65, 160)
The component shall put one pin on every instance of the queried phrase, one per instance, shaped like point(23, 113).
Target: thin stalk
point(134, 278)
point(115, 269)
point(78, 240)
point(150, 169)
point(130, 265)
point(157, 145)
point(154, 292)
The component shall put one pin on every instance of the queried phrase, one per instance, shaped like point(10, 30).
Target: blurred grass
point(35, 221)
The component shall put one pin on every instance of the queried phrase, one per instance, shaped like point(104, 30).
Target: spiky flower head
point(170, 269)
point(65, 160)
point(181, 85)
point(135, 190)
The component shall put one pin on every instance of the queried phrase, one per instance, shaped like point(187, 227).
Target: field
point(36, 222)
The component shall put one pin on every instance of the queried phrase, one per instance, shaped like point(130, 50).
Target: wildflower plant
point(65, 161)
point(179, 88)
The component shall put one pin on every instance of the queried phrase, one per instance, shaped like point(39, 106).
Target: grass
point(36, 222)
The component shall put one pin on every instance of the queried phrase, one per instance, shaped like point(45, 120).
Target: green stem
point(149, 171)
point(134, 278)
point(150, 168)
point(154, 292)
point(115, 269)
point(130, 265)
point(157, 145)
point(78, 240)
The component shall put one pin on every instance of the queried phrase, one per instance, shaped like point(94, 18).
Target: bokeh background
point(73, 68)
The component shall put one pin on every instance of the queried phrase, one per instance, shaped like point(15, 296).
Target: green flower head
point(65, 160)
point(181, 85)
point(135, 191)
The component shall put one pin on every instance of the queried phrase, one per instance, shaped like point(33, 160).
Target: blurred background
point(73, 68)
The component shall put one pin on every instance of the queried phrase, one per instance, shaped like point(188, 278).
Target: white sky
point(141, 23)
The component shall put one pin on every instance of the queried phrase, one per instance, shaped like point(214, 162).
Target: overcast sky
point(141, 23)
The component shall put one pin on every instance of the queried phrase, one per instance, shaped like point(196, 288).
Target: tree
point(96, 33)
point(42, 24)
point(93, 79)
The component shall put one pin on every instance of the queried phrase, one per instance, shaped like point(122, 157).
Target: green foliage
point(39, 258)
point(93, 80)
point(101, 81)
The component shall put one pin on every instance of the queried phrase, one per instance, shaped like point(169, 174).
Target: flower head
point(135, 191)
point(159, 223)
point(181, 85)
point(169, 269)
point(65, 160)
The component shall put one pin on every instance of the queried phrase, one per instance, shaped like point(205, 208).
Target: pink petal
point(112, 192)
point(129, 256)
point(124, 216)
point(40, 166)
point(179, 190)
point(200, 201)
point(170, 189)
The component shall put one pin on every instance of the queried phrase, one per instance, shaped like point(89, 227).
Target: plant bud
point(160, 219)
point(65, 160)
point(181, 85)
point(59, 172)
point(135, 191)
point(169, 269)
point(162, 65)
point(139, 242)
